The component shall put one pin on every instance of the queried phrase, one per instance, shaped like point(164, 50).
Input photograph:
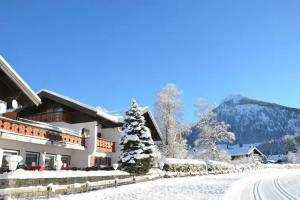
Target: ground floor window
point(32, 159)
point(49, 161)
point(100, 161)
point(66, 160)
point(8, 152)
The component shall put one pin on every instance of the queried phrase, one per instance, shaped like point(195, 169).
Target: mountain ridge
point(255, 121)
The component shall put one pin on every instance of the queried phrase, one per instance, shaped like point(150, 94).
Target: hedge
point(184, 165)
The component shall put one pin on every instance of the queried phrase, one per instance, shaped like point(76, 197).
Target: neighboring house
point(50, 126)
point(280, 158)
point(152, 125)
point(240, 151)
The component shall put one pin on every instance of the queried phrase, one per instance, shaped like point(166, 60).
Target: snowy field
point(266, 184)
point(202, 187)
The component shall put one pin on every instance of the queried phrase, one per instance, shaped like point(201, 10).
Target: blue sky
point(106, 52)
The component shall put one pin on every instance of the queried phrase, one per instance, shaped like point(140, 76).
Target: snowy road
point(271, 189)
point(271, 184)
point(275, 185)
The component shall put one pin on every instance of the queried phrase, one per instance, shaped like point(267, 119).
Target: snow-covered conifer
point(291, 143)
point(137, 151)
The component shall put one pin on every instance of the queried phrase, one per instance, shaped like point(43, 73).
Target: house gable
point(152, 125)
point(58, 108)
point(12, 86)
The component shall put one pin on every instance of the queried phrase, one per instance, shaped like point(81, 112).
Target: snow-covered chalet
point(45, 126)
point(240, 151)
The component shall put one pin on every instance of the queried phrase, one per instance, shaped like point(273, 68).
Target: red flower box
point(40, 168)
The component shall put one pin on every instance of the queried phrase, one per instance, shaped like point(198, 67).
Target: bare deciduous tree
point(168, 112)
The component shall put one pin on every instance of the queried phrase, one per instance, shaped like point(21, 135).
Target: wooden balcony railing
point(50, 117)
point(27, 129)
point(105, 146)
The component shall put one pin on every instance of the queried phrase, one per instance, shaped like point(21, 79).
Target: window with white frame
point(32, 159)
point(49, 161)
point(8, 152)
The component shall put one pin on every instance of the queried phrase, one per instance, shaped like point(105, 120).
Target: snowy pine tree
point(137, 153)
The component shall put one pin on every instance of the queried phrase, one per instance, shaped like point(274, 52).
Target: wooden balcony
point(105, 146)
point(33, 130)
point(50, 117)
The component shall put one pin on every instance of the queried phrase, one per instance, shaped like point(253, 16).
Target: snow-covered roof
point(239, 150)
point(276, 158)
point(96, 111)
point(68, 99)
point(147, 110)
point(113, 117)
point(21, 84)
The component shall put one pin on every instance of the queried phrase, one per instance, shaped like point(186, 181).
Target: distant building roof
point(239, 150)
point(277, 158)
point(13, 86)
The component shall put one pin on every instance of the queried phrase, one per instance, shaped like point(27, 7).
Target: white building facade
point(48, 126)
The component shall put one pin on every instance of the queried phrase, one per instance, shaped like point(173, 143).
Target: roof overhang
point(147, 110)
point(19, 88)
point(246, 153)
point(81, 107)
point(67, 102)
point(255, 148)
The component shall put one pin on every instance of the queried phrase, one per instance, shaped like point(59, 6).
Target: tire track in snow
point(283, 192)
point(256, 193)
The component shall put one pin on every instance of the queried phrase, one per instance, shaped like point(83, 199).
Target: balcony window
point(8, 153)
point(32, 159)
point(103, 161)
point(49, 161)
point(66, 160)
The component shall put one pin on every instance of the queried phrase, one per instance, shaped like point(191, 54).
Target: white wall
point(90, 143)
point(113, 134)
point(50, 149)
point(79, 158)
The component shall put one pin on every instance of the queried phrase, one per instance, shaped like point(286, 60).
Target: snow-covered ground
point(268, 183)
point(275, 184)
point(201, 187)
